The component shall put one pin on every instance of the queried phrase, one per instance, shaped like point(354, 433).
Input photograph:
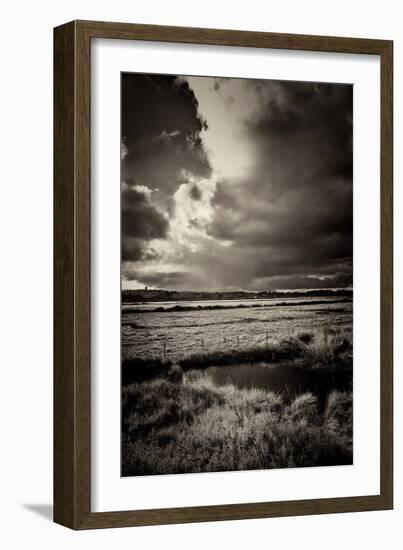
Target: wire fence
point(202, 344)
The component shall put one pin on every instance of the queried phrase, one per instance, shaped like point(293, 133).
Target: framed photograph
point(222, 275)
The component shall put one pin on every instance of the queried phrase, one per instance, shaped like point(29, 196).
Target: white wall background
point(26, 266)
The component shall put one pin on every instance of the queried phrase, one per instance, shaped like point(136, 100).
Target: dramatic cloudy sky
point(231, 183)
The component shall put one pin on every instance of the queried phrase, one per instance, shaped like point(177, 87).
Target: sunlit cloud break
point(232, 183)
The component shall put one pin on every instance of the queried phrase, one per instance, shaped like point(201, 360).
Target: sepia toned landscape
point(237, 299)
point(217, 386)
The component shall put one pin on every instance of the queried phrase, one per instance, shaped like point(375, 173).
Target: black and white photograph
point(236, 274)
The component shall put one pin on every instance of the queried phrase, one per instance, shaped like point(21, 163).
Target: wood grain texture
point(72, 217)
point(72, 269)
point(387, 273)
point(64, 345)
point(219, 37)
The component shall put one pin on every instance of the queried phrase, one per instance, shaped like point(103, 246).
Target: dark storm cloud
point(294, 210)
point(132, 249)
point(317, 117)
point(140, 218)
point(337, 280)
point(174, 279)
point(141, 222)
point(274, 210)
point(161, 130)
point(195, 193)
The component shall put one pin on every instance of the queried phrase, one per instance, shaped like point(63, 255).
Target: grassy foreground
point(175, 420)
point(186, 424)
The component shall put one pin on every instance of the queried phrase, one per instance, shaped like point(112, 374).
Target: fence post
point(165, 350)
point(203, 344)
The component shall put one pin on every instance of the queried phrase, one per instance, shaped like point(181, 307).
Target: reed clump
point(191, 425)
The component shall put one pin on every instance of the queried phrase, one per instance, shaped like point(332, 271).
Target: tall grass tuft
point(304, 409)
point(190, 425)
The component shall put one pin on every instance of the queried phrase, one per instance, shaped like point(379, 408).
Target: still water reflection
point(288, 379)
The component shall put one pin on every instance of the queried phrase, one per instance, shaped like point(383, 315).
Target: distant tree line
point(155, 295)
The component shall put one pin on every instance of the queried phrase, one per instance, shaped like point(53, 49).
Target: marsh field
point(215, 385)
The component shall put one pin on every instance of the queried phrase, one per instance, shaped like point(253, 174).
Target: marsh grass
point(176, 420)
point(327, 350)
point(191, 425)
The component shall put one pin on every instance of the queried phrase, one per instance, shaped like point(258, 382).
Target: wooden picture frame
point(72, 269)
